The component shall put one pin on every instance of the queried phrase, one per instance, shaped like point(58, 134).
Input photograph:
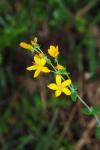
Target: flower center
point(60, 87)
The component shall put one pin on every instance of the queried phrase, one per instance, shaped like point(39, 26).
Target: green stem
point(83, 102)
point(53, 120)
point(56, 61)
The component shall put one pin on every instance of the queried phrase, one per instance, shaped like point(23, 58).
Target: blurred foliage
point(72, 23)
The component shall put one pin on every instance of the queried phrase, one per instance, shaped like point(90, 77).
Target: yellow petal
point(31, 68)
point(37, 72)
point(50, 52)
point(45, 69)
point(37, 59)
point(52, 86)
point(36, 55)
point(52, 47)
point(59, 67)
point(67, 91)
point(58, 79)
point(41, 55)
point(66, 82)
point(56, 51)
point(43, 62)
point(57, 93)
point(26, 45)
point(57, 47)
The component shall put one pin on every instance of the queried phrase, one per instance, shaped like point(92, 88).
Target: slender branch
point(53, 120)
point(87, 8)
point(83, 102)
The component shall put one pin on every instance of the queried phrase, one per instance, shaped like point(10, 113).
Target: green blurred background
point(27, 108)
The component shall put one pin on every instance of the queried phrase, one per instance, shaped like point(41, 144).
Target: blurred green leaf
point(90, 43)
point(3, 81)
point(74, 95)
point(53, 103)
point(96, 110)
point(4, 120)
point(98, 132)
point(80, 24)
point(24, 140)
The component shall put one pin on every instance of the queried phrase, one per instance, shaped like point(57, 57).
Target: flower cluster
point(40, 62)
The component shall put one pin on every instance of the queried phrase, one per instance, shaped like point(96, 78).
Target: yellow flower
point(60, 87)
point(26, 45)
point(39, 66)
point(53, 51)
point(40, 55)
point(60, 67)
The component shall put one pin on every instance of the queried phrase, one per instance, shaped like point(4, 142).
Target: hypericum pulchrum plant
point(60, 85)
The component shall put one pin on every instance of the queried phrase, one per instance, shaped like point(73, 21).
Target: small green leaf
point(24, 140)
point(87, 111)
point(74, 96)
point(98, 132)
point(4, 119)
point(96, 110)
point(80, 24)
point(61, 72)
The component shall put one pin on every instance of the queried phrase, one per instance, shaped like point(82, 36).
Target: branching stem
point(38, 50)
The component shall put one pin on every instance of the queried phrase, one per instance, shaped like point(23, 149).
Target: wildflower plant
point(62, 83)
